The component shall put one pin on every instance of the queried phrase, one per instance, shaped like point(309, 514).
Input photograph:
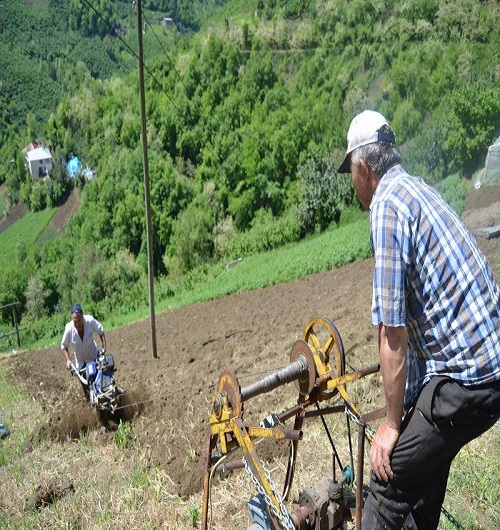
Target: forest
point(247, 103)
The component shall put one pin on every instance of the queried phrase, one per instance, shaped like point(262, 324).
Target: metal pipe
point(359, 483)
point(278, 378)
point(335, 409)
point(286, 414)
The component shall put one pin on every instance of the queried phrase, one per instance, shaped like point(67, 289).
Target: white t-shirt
point(85, 350)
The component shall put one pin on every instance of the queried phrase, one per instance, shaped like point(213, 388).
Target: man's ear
point(364, 169)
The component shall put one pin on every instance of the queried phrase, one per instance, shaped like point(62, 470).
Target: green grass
point(23, 232)
point(323, 252)
point(48, 234)
point(473, 495)
point(123, 435)
point(328, 250)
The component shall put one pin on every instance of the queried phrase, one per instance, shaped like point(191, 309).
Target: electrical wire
point(210, 485)
point(132, 52)
point(165, 51)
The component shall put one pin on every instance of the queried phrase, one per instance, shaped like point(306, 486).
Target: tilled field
point(247, 333)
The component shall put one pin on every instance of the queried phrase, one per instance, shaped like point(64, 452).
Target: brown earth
point(58, 222)
point(64, 212)
point(15, 213)
point(247, 333)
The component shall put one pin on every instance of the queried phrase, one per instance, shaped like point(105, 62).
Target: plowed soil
point(247, 333)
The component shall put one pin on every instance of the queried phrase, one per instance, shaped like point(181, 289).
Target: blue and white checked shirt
point(431, 277)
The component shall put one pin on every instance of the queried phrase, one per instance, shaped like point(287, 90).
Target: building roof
point(40, 153)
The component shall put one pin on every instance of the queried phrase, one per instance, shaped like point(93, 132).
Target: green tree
point(324, 193)
point(474, 115)
point(192, 242)
point(36, 296)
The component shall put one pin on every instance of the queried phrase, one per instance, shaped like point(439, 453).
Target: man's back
point(431, 276)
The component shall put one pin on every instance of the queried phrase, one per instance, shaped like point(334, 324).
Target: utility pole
point(146, 184)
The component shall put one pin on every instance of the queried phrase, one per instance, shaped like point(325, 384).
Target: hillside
point(247, 108)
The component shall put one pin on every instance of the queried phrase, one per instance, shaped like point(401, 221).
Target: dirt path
point(16, 212)
point(248, 333)
point(64, 212)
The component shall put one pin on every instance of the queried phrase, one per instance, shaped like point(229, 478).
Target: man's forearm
point(393, 343)
point(65, 354)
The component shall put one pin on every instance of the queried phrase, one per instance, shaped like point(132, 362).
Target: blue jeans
point(446, 416)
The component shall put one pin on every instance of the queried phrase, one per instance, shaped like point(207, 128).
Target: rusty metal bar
point(280, 377)
point(323, 412)
point(359, 483)
point(278, 433)
point(230, 466)
point(255, 466)
point(372, 416)
point(210, 442)
point(363, 422)
point(286, 414)
point(353, 376)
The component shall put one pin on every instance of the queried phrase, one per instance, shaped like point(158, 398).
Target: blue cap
point(77, 308)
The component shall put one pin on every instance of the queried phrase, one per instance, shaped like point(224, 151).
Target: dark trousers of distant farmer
point(446, 416)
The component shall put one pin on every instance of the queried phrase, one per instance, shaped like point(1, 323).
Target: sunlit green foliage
point(246, 124)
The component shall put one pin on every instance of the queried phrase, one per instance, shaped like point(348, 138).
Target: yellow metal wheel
point(324, 340)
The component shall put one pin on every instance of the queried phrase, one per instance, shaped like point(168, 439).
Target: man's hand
point(392, 344)
point(380, 453)
point(68, 364)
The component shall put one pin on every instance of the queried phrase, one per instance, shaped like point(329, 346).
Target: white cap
point(364, 130)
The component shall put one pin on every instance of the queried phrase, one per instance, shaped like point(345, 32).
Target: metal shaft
point(278, 378)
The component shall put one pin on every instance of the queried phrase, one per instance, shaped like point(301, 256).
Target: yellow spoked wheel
point(324, 340)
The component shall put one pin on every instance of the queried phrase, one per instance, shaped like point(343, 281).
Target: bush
point(454, 190)
point(36, 295)
point(267, 232)
point(473, 123)
point(192, 243)
point(324, 193)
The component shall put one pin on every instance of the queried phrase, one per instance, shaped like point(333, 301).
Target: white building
point(39, 162)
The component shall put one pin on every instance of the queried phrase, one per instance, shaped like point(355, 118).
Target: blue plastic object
point(91, 370)
point(348, 474)
point(259, 514)
point(4, 432)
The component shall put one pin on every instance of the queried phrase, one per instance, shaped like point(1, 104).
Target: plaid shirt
point(431, 277)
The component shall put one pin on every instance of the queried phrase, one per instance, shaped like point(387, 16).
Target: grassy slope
point(333, 248)
point(25, 231)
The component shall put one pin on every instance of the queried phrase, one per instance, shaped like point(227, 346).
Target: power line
point(165, 51)
point(132, 52)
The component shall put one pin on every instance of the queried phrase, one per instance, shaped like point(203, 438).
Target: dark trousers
point(447, 415)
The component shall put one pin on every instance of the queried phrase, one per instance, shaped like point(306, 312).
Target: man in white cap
point(437, 307)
